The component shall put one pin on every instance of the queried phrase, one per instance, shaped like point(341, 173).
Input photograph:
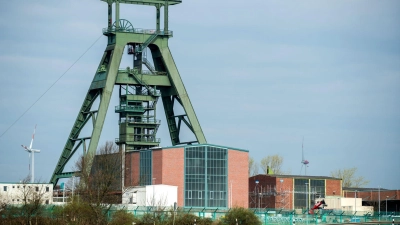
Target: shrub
point(122, 217)
point(242, 215)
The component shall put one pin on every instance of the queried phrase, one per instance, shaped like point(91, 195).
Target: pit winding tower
point(139, 89)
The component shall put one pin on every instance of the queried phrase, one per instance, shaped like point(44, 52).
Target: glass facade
point(306, 191)
point(206, 176)
point(145, 167)
point(317, 189)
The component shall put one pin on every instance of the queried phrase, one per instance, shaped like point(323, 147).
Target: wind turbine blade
point(33, 137)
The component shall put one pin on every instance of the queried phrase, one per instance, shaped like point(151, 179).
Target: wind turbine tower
point(304, 162)
point(32, 155)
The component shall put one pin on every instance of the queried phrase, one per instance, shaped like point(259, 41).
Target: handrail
point(136, 31)
point(142, 139)
point(144, 72)
point(148, 64)
point(150, 121)
point(148, 41)
point(122, 107)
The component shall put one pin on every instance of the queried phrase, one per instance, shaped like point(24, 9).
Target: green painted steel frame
point(108, 75)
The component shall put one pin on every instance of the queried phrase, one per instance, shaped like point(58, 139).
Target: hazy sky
point(260, 75)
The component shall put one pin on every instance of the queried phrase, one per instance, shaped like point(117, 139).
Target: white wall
point(151, 195)
point(14, 193)
point(347, 204)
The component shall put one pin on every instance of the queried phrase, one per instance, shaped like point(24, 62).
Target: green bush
point(186, 218)
point(122, 217)
point(240, 216)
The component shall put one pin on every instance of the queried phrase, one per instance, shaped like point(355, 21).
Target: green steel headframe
point(139, 89)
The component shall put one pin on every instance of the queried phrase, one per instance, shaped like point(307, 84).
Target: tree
point(30, 199)
point(98, 187)
point(253, 167)
point(349, 178)
point(272, 164)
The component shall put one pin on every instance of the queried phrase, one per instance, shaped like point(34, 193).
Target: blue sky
point(260, 76)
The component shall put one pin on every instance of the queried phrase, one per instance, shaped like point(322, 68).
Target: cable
point(50, 87)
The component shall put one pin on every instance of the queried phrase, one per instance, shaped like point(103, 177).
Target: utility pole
point(306, 195)
point(386, 204)
point(379, 202)
point(355, 202)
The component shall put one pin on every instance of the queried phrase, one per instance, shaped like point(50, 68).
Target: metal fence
point(275, 216)
point(267, 216)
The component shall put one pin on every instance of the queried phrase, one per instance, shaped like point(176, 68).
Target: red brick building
point(381, 199)
point(290, 191)
point(206, 175)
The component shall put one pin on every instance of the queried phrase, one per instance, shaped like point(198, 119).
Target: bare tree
point(349, 178)
point(33, 197)
point(253, 167)
point(3, 206)
point(272, 164)
point(99, 185)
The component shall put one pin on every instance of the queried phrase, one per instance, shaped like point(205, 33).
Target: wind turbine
point(32, 155)
point(304, 162)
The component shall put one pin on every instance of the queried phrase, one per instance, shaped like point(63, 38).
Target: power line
point(49, 87)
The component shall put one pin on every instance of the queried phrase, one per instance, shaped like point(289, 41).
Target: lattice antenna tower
point(304, 162)
point(139, 90)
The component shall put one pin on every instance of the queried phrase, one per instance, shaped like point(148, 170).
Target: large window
point(306, 191)
point(145, 167)
point(317, 189)
point(300, 193)
point(205, 176)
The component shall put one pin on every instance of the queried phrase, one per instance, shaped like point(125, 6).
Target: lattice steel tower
point(139, 90)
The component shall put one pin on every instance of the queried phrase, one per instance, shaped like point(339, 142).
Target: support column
point(166, 17)
point(109, 15)
point(105, 97)
point(117, 14)
point(183, 96)
point(158, 18)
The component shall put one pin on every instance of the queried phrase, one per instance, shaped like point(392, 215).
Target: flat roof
point(22, 183)
point(297, 176)
point(198, 145)
point(147, 2)
point(364, 189)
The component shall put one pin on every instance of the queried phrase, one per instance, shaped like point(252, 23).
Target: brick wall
point(266, 186)
point(285, 193)
point(277, 194)
point(238, 174)
point(157, 166)
point(333, 187)
point(131, 169)
point(173, 170)
point(373, 195)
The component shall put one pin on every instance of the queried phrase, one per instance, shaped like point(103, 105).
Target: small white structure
point(347, 204)
point(23, 193)
point(159, 195)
